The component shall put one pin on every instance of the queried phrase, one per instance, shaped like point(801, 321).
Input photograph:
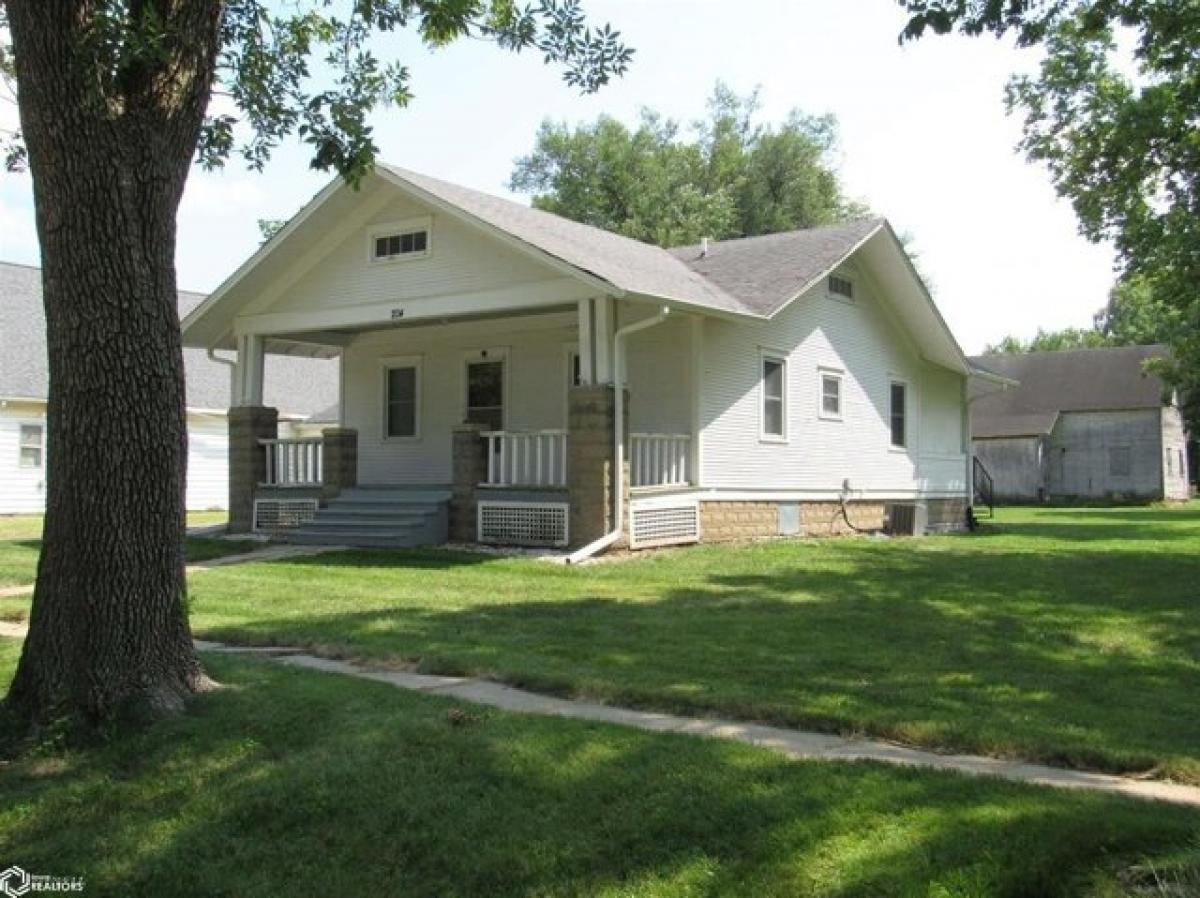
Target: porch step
point(378, 517)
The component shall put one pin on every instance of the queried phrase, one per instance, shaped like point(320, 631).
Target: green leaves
point(312, 70)
point(729, 175)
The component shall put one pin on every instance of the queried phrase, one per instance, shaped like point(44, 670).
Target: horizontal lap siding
point(859, 340)
point(461, 260)
point(208, 464)
point(1079, 462)
point(536, 400)
point(22, 490)
point(1174, 440)
point(659, 378)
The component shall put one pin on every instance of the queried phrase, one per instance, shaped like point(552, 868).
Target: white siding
point(536, 370)
point(1081, 454)
point(860, 340)
point(22, 490)
point(208, 463)
point(461, 260)
point(1174, 438)
point(659, 376)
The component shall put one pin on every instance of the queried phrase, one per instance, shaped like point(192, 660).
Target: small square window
point(30, 446)
point(841, 287)
point(831, 395)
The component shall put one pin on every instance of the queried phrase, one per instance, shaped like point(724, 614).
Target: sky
point(925, 141)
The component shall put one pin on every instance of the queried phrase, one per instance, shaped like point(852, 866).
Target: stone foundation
point(591, 416)
point(247, 460)
point(469, 463)
point(734, 521)
point(339, 463)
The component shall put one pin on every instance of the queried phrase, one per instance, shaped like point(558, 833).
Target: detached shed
point(1082, 424)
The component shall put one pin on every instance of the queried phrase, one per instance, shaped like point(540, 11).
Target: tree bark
point(110, 138)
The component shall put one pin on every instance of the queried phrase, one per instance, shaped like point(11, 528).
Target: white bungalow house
point(798, 383)
point(306, 391)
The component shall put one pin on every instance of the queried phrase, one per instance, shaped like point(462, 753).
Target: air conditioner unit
point(907, 519)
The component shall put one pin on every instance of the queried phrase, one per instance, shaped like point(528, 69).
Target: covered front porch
point(512, 420)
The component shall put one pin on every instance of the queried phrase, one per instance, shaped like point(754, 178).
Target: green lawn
point(18, 557)
point(29, 526)
point(288, 782)
point(1070, 636)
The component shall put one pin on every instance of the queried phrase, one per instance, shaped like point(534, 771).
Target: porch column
point(591, 422)
point(247, 461)
point(248, 371)
point(339, 460)
point(468, 458)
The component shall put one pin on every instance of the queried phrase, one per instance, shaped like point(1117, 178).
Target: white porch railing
point(526, 458)
point(293, 462)
point(659, 459)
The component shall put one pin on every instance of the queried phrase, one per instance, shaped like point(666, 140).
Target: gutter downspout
point(608, 539)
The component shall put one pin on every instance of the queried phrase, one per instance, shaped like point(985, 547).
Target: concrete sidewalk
point(792, 743)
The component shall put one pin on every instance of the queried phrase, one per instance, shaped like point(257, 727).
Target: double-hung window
point(831, 394)
point(402, 398)
point(30, 446)
point(774, 398)
point(898, 414)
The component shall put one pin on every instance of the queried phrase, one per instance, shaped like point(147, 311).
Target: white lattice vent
point(283, 514)
point(664, 525)
point(523, 523)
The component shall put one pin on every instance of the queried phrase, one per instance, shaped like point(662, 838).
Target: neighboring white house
point(1082, 424)
point(306, 389)
point(785, 384)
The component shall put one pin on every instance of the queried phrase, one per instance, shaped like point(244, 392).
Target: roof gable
point(1070, 381)
point(296, 386)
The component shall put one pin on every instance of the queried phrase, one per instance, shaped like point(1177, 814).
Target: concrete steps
point(378, 517)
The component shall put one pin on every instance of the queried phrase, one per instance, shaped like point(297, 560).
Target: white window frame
point(41, 447)
point(839, 377)
point(837, 297)
point(771, 355)
point(401, 227)
point(485, 354)
point(415, 362)
point(894, 381)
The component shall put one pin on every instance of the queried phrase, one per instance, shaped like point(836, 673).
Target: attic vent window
point(840, 286)
point(399, 240)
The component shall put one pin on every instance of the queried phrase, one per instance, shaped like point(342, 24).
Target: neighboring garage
point(1081, 424)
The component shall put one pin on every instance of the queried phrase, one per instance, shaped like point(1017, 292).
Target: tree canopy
point(1114, 114)
point(115, 101)
point(730, 175)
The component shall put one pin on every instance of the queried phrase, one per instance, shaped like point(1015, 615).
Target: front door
point(485, 393)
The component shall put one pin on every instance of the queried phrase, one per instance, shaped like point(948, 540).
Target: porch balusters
point(526, 458)
point(293, 462)
point(659, 459)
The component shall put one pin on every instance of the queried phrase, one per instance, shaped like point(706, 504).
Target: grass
point(298, 783)
point(1070, 636)
point(21, 542)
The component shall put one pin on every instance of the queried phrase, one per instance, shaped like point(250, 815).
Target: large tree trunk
point(110, 143)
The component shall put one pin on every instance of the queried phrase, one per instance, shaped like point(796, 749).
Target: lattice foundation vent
point(664, 526)
point(523, 523)
point(283, 514)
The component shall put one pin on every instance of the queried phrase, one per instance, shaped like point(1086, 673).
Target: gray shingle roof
point(304, 387)
point(628, 264)
point(1054, 382)
point(764, 273)
point(755, 275)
